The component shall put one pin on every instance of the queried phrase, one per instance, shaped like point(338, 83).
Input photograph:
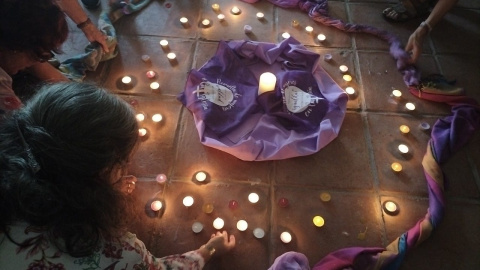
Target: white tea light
point(410, 106)
point(157, 117)
point(154, 85)
point(206, 22)
point(215, 7)
point(390, 207)
point(188, 201)
point(285, 35)
point(184, 20)
point(164, 43)
point(267, 82)
point(286, 237)
point(350, 90)
point(142, 132)
point(126, 79)
point(218, 223)
point(140, 117)
point(253, 197)
point(235, 10)
point(404, 129)
point(247, 29)
point(258, 233)
point(309, 29)
point(242, 225)
point(260, 15)
point(343, 68)
point(403, 148)
point(221, 17)
point(171, 56)
point(156, 205)
point(201, 176)
point(321, 37)
point(396, 93)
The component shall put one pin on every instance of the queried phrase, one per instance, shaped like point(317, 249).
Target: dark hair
point(37, 26)
point(76, 133)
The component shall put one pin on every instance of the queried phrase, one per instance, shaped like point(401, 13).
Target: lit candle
point(396, 167)
point(197, 227)
point(156, 205)
point(309, 29)
point(343, 68)
point(164, 43)
point(325, 197)
point(260, 15)
point(403, 148)
point(318, 221)
point(295, 23)
point(242, 225)
point(321, 37)
point(126, 79)
point(142, 132)
point(235, 10)
point(286, 237)
point(221, 17)
point(410, 106)
point(140, 117)
point(206, 22)
point(283, 202)
point(161, 178)
point(157, 117)
point(396, 93)
point(201, 176)
point(188, 201)
point(253, 197)
point(267, 82)
point(171, 56)
point(151, 74)
point(207, 208)
point(216, 7)
point(350, 90)
point(390, 207)
point(218, 223)
point(404, 129)
point(258, 233)
point(347, 78)
point(285, 35)
point(154, 85)
point(247, 29)
point(184, 21)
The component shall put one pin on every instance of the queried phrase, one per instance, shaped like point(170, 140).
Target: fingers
point(129, 181)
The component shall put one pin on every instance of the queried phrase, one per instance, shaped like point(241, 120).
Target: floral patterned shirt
point(128, 253)
point(8, 100)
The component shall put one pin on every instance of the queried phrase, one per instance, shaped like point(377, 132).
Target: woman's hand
point(415, 44)
point(219, 244)
point(126, 183)
point(94, 35)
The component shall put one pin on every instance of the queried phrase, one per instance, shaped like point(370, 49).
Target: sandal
point(406, 10)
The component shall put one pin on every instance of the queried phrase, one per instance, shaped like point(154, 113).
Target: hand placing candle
point(267, 82)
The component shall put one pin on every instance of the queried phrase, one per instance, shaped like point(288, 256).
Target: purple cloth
point(290, 261)
point(302, 115)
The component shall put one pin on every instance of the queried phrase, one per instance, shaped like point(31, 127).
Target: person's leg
point(407, 9)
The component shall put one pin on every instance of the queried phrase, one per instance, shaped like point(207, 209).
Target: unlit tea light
point(242, 225)
point(258, 233)
point(157, 117)
point(197, 227)
point(267, 82)
point(218, 223)
point(286, 237)
point(253, 197)
point(247, 29)
point(188, 201)
point(403, 148)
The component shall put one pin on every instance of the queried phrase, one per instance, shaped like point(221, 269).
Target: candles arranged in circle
point(233, 204)
point(318, 221)
point(171, 56)
point(309, 29)
point(321, 37)
point(200, 176)
point(325, 197)
point(140, 117)
point(396, 93)
point(154, 85)
point(258, 233)
point(253, 197)
point(235, 10)
point(410, 106)
point(283, 202)
point(207, 208)
point(424, 126)
point(397, 167)
point(218, 223)
point(347, 78)
point(184, 21)
point(403, 148)
point(205, 22)
point(267, 82)
point(221, 17)
point(197, 227)
point(215, 7)
point(164, 43)
point(247, 29)
point(126, 80)
point(295, 23)
point(390, 207)
point(404, 129)
point(142, 132)
point(260, 15)
point(343, 68)
point(145, 58)
point(350, 90)
point(286, 237)
point(161, 178)
point(327, 57)
point(188, 201)
point(156, 205)
point(285, 35)
point(151, 74)
point(242, 225)
point(157, 117)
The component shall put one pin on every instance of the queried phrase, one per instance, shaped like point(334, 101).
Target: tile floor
point(354, 169)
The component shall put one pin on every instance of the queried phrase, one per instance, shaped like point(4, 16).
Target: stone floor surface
point(354, 169)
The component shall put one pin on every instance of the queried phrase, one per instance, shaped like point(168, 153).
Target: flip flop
point(406, 10)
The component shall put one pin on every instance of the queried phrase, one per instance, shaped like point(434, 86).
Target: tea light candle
point(200, 176)
point(327, 57)
point(171, 56)
point(258, 233)
point(161, 178)
point(253, 197)
point(396, 167)
point(126, 79)
point(235, 10)
point(309, 29)
point(424, 126)
point(197, 227)
point(156, 205)
point(218, 223)
point(267, 82)
point(410, 106)
point(154, 85)
point(286, 237)
point(208, 208)
point(221, 17)
point(140, 117)
point(343, 68)
point(285, 35)
point(151, 74)
point(321, 37)
point(206, 22)
point(347, 78)
point(157, 117)
point(403, 148)
point(404, 129)
point(283, 202)
point(260, 15)
point(396, 93)
point(215, 7)
point(325, 197)
point(247, 29)
point(233, 204)
point(318, 221)
point(390, 207)
point(295, 23)
point(350, 90)
point(145, 58)
point(142, 132)
point(188, 201)
point(242, 225)
point(184, 21)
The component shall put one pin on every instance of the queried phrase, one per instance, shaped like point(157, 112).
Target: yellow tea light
point(404, 129)
point(215, 7)
point(318, 221)
point(347, 78)
point(325, 197)
point(397, 167)
point(295, 23)
point(207, 208)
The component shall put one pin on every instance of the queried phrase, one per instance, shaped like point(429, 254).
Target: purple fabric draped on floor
point(448, 135)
